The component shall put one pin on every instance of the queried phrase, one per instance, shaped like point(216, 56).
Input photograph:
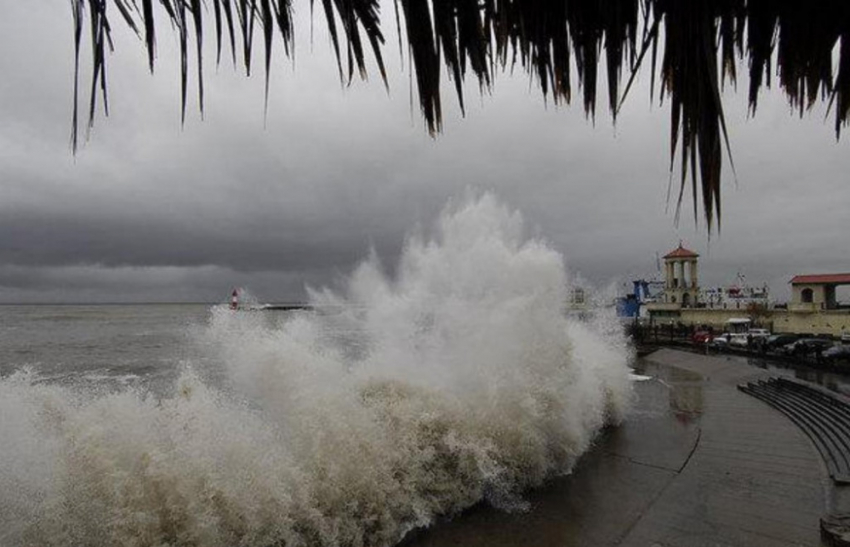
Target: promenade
point(698, 463)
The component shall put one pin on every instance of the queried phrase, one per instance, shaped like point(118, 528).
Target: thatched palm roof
point(697, 40)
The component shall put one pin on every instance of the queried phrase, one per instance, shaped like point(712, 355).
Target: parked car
point(777, 341)
point(806, 346)
point(702, 337)
point(729, 339)
point(838, 352)
point(720, 341)
point(739, 340)
point(759, 333)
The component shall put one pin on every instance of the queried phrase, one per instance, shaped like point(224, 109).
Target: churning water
point(458, 380)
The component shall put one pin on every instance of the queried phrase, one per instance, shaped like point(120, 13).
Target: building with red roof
point(816, 292)
point(833, 279)
point(813, 310)
point(682, 285)
point(680, 252)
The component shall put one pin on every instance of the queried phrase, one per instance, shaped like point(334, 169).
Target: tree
point(698, 41)
point(758, 312)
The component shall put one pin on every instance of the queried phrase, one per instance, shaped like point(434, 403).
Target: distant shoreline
point(288, 305)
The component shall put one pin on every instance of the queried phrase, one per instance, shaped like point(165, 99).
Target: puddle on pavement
point(683, 389)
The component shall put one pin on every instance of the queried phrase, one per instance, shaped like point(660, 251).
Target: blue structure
point(629, 305)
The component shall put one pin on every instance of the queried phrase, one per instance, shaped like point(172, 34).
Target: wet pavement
point(697, 463)
point(835, 379)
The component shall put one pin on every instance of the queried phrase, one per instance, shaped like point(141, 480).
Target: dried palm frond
point(701, 40)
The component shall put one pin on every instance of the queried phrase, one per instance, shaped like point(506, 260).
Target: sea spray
point(458, 380)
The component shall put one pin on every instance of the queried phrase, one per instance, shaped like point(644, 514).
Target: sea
point(100, 347)
point(397, 401)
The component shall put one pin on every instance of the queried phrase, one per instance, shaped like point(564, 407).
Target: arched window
point(673, 299)
point(807, 296)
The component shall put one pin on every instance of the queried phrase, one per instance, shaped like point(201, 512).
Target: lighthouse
point(234, 300)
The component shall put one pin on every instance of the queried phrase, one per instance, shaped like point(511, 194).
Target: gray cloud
point(148, 210)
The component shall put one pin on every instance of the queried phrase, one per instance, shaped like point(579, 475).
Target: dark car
point(776, 341)
point(838, 352)
point(806, 346)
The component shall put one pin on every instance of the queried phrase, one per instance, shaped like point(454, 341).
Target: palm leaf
point(702, 42)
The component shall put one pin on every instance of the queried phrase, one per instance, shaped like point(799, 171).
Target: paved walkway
point(753, 479)
point(698, 464)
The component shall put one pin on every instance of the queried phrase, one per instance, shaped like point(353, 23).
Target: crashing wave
point(458, 380)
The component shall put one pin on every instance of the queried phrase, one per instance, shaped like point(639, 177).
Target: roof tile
point(841, 278)
point(681, 252)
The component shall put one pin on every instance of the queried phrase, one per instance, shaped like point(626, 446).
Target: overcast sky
point(150, 211)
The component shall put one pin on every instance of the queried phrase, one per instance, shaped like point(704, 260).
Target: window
point(807, 296)
point(578, 295)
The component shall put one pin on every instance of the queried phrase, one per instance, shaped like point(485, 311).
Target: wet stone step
point(823, 418)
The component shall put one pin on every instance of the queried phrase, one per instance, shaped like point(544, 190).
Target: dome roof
point(681, 252)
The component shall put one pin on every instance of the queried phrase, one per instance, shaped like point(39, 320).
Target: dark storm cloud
point(148, 210)
point(56, 241)
point(81, 284)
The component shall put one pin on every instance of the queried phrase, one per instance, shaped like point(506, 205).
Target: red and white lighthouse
point(234, 300)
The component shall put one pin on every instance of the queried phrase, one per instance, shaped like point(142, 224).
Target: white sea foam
point(639, 377)
point(457, 381)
